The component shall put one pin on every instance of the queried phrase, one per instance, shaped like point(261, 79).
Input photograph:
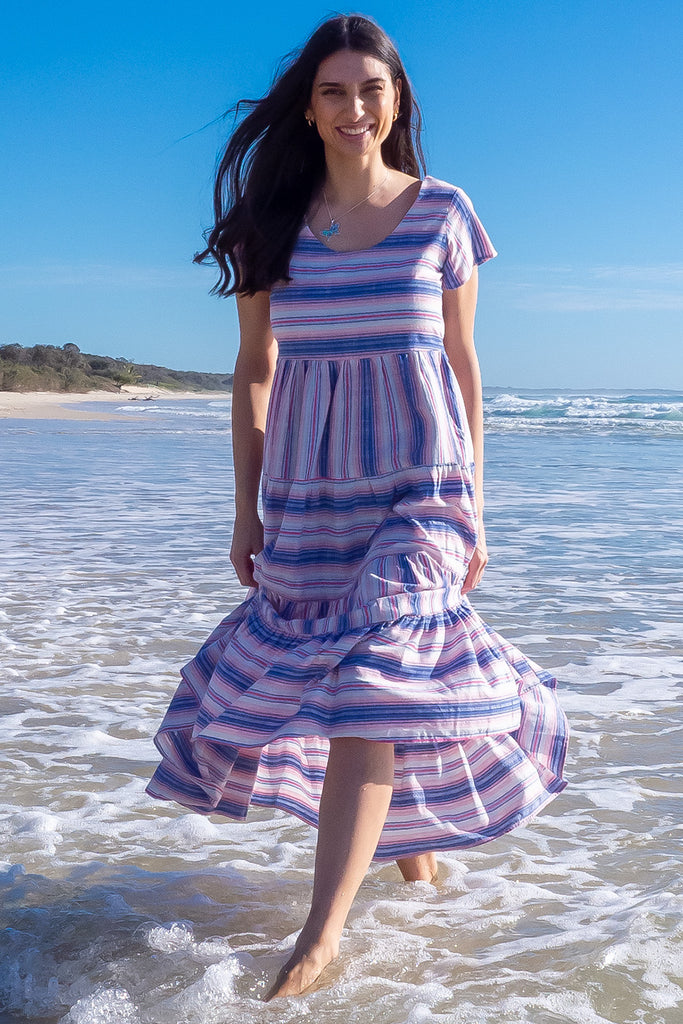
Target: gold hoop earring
point(311, 122)
point(395, 117)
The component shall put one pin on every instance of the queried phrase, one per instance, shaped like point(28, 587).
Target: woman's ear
point(398, 85)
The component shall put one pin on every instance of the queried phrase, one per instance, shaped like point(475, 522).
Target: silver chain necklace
point(334, 221)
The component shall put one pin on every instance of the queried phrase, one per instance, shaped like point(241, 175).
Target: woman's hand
point(247, 541)
point(477, 563)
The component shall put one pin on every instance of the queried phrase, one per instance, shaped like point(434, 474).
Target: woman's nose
point(356, 106)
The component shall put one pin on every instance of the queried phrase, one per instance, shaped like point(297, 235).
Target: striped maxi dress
point(358, 626)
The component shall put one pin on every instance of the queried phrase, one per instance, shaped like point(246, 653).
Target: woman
point(355, 686)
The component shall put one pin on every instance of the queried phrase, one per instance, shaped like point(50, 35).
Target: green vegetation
point(48, 368)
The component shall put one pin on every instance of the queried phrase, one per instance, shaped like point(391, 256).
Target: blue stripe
point(310, 347)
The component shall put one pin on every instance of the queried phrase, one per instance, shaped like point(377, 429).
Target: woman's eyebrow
point(368, 81)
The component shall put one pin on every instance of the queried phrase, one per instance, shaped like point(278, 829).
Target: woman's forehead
point(351, 66)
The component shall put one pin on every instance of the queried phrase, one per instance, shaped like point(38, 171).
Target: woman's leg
point(353, 807)
point(421, 868)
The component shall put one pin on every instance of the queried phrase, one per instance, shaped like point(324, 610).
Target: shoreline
point(57, 405)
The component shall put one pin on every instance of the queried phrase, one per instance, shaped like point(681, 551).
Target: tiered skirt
point(358, 627)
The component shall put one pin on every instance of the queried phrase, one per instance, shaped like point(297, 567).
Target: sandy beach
point(55, 405)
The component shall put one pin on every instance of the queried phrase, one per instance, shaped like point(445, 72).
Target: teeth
point(355, 131)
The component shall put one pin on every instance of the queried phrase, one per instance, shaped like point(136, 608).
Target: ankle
point(320, 935)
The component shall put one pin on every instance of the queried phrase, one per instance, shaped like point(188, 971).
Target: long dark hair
point(274, 162)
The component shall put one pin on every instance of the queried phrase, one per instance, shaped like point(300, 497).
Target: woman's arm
point(459, 307)
point(251, 386)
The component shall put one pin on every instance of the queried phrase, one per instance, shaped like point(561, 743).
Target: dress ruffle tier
point(479, 737)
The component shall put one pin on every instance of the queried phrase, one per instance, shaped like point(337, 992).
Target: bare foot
point(421, 868)
point(303, 967)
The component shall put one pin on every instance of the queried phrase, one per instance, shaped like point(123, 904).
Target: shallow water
point(118, 909)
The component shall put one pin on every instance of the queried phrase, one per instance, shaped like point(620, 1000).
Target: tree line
point(50, 368)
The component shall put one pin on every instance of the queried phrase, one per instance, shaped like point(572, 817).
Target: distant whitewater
point(656, 412)
point(114, 568)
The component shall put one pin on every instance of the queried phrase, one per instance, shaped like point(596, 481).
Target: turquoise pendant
point(332, 230)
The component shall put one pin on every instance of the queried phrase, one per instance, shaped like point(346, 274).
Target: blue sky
point(560, 119)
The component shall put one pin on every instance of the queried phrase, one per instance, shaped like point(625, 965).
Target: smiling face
point(353, 102)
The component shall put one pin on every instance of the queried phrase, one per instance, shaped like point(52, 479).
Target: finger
point(468, 583)
point(480, 570)
point(475, 572)
point(244, 567)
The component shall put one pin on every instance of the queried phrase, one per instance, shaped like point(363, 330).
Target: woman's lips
point(354, 132)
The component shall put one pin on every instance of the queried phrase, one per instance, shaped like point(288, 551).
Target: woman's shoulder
point(463, 235)
point(446, 194)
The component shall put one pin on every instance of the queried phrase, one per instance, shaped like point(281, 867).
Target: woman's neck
point(349, 181)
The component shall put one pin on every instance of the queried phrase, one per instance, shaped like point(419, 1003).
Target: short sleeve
point(467, 244)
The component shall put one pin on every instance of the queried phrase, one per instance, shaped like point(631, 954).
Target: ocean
point(115, 909)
